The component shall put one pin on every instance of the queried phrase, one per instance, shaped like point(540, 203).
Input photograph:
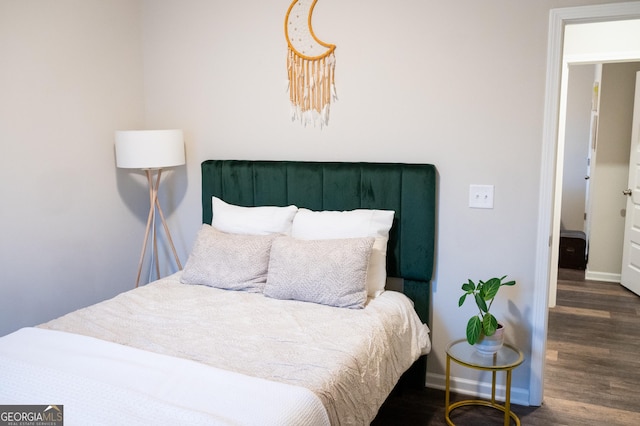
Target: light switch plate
point(481, 196)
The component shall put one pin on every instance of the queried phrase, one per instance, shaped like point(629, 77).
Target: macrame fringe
point(311, 88)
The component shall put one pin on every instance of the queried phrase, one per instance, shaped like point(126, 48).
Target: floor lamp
point(151, 151)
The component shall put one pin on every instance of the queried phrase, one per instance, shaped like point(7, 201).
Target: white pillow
point(330, 272)
point(228, 261)
point(313, 225)
point(261, 220)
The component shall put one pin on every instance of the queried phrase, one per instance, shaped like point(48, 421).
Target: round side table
point(506, 359)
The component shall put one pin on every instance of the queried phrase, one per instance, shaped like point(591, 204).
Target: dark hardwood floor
point(593, 366)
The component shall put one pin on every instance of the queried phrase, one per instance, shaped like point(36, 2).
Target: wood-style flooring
point(592, 373)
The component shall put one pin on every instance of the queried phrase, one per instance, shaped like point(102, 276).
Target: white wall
point(602, 41)
point(70, 74)
point(611, 171)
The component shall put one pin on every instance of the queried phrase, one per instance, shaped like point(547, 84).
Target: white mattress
point(350, 359)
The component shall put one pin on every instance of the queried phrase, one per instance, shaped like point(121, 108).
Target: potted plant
point(484, 324)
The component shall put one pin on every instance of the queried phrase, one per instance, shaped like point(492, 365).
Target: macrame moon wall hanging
point(310, 64)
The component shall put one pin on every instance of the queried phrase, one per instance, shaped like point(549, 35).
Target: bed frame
point(408, 189)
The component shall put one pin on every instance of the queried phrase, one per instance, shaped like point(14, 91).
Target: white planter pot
point(489, 345)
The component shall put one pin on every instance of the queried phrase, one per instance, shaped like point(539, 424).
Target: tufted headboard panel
point(408, 189)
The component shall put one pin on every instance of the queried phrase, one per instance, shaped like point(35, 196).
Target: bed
point(255, 329)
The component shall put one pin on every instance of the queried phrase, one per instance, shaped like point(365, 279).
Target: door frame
point(546, 238)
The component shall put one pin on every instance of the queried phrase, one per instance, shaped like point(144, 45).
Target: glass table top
point(506, 357)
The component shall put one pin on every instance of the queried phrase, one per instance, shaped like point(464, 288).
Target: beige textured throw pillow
point(320, 225)
point(328, 272)
point(228, 261)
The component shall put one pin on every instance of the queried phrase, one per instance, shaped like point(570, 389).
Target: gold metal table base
point(507, 368)
point(483, 403)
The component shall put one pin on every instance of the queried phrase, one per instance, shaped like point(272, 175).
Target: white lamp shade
point(149, 149)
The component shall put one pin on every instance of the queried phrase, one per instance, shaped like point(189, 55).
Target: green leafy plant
point(483, 293)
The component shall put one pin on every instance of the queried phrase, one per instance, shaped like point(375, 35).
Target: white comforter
point(102, 383)
point(350, 359)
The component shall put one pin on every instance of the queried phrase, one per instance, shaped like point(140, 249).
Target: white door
point(631, 250)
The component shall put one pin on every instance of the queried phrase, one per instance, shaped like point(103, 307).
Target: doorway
point(611, 49)
point(600, 103)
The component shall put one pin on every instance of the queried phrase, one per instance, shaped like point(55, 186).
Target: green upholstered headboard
point(408, 189)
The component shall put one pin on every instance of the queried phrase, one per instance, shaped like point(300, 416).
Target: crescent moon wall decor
point(310, 65)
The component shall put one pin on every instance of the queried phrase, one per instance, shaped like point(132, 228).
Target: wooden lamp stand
point(154, 205)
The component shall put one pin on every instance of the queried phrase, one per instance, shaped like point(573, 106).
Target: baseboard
point(477, 389)
point(602, 276)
